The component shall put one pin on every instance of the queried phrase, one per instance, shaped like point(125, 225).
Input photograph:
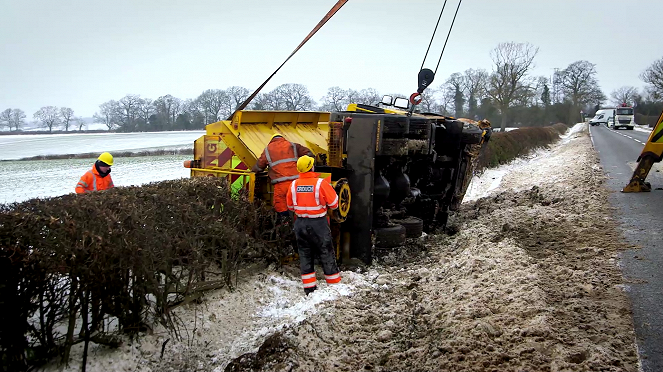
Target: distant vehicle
point(611, 122)
point(624, 117)
point(601, 117)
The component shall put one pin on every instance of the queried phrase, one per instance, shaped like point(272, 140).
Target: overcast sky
point(81, 53)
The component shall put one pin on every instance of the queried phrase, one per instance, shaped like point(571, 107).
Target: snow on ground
point(227, 325)
point(529, 283)
point(28, 145)
point(23, 180)
point(490, 180)
point(642, 128)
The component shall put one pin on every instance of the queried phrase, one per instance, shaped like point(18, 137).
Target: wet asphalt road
point(641, 218)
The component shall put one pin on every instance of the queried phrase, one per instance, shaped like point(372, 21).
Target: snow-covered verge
point(642, 128)
point(529, 283)
point(489, 180)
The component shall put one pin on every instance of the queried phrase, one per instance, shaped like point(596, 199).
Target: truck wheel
point(390, 237)
point(413, 226)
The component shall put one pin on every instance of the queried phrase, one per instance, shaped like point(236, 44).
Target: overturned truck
point(396, 174)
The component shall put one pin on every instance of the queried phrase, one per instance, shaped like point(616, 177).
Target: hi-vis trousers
point(313, 234)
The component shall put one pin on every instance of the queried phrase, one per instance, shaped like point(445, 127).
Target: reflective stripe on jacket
point(281, 156)
point(310, 196)
point(92, 181)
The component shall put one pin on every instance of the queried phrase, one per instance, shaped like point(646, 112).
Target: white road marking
point(591, 137)
point(627, 136)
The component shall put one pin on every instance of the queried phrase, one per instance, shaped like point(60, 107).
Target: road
point(641, 217)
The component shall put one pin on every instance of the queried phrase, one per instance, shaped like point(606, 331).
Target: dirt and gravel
point(529, 283)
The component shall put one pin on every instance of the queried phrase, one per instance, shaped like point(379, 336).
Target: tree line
point(508, 94)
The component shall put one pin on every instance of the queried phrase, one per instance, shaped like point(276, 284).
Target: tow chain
point(324, 20)
point(426, 76)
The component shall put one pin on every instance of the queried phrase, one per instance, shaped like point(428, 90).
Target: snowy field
point(23, 180)
point(19, 146)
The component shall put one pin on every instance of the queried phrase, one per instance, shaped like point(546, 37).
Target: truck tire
point(389, 237)
point(413, 226)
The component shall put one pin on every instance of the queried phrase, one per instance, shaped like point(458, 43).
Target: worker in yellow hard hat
point(97, 178)
point(309, 197)
point(281, 156)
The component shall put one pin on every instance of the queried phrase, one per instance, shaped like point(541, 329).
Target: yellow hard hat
point(305, 163)
point(275, 135)
point(106, 158)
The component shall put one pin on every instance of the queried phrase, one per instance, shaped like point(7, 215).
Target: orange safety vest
point(310, 196)
point(92, 181)
point(281, 156)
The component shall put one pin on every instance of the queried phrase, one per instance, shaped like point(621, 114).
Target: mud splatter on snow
point(529, 283)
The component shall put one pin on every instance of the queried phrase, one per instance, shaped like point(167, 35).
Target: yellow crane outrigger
point(652, 153)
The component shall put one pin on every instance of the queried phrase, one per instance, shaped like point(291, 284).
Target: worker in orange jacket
point(97, 178)
point(281, 156)
point(309, 197)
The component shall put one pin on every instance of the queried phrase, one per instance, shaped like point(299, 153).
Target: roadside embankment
point(504, 147)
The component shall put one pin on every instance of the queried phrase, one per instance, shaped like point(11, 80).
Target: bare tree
point(508, 81)
point(294, 97)
point(66, 114)
point(235, 96)
point(145, 110)
point(210, 103)
point(191, 108)
point(653, 76)
point(80, 123)
point(167, 109)
point(261, 102)
point(429, 100)
point(625, 95)
point(455, 87)
point(368, 96)
point(6, 119)
point(129, 112)
point(580, 86)
point(17, 119)
point(335, 100)
point(476, 82)
point(109, 114)
point(352, 96)
point(49, 116)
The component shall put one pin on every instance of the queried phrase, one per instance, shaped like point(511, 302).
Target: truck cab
point(624, 117)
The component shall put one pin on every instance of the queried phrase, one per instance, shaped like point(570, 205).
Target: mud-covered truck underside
point(386, 166)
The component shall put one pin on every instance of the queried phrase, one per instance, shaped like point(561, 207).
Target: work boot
point(308, 291)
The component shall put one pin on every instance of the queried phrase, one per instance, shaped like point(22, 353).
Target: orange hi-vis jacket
point(310, 196)
point(281, 155)
point(92, 181)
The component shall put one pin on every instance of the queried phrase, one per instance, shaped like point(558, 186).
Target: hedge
point(504, 147)
point(130, 253)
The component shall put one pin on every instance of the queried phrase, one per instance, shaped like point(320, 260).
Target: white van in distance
point(601, 117)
